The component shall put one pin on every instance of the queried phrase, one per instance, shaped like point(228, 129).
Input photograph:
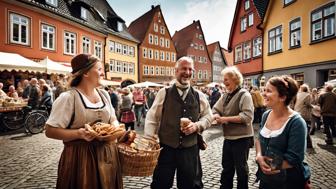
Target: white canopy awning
point(12, 61)
point(109, 83)
point(331, 82)
point(212, 84)
point(54, 67)
point(146, 84)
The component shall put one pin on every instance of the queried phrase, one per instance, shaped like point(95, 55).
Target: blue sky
point(215, 15)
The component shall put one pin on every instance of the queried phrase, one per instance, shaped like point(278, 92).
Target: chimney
point(152, 6)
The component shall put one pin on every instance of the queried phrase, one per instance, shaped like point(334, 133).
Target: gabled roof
point(138, 28)
point(212, 47)
point(228, 57)
point(261, 6)
point(182, 39)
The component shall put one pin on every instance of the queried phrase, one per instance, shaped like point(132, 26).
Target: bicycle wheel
point(13, 120)
point(35, 122)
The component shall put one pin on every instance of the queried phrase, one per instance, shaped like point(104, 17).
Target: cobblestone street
point(31, 162)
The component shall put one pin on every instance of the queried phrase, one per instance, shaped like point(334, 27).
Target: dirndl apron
point(90, 165)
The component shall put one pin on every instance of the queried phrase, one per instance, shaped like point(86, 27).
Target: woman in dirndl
point(85, 162)
point(127, 114)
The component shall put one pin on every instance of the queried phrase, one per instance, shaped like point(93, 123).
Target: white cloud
point(215, 17)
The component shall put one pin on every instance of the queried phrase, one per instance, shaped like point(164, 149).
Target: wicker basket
point(138, 163)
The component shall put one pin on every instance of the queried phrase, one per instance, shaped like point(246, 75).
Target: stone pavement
point(31, 162)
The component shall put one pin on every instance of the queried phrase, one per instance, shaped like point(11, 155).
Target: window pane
point(317, 15)
point(250, 21)
point(278, 43)
point(23, 34)
point(16, 19)
point(288, 1)
point(278, 31)
point(15, 32)
point(272, 45)
point(329, 26)
point(329, 10)
point(45, 40)
point(317, 32)
point(295, 38)
point(295, 25)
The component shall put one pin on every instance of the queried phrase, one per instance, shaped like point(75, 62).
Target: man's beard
point(185, 81)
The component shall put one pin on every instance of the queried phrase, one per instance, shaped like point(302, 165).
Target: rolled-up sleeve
point(247, 108)
point(154, 114)
point(62, 111)
point(205, 114)
point(296, 142)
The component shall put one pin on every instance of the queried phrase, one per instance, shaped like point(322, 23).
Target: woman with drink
point(281, 144)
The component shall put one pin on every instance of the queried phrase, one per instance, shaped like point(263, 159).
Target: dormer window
point(120, 26)
point(52, 2)
point(83, 13)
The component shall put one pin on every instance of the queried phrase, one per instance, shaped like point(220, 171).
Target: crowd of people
point(36, 92)
point(287, 114)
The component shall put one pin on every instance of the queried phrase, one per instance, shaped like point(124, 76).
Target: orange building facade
point(157, 53)
point(58, 28)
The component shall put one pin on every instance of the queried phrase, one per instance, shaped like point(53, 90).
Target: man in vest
point(180, 149)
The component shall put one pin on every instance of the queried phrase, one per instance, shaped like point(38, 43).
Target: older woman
point(234, 111)
point(85, 162)
point(281, 145)
point(12, 92)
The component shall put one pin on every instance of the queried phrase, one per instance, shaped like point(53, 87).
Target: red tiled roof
point(139, 27)
point(228, 57)
point(182, 39)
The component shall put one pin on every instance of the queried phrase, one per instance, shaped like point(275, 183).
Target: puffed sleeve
point(62, 110)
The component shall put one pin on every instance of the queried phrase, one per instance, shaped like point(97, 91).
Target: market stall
point(54, 67)
point(16, 62)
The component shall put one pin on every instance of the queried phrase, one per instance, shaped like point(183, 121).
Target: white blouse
point(89, 104)
point(267, 133)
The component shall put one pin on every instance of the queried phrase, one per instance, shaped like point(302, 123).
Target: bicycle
point(33, 120)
